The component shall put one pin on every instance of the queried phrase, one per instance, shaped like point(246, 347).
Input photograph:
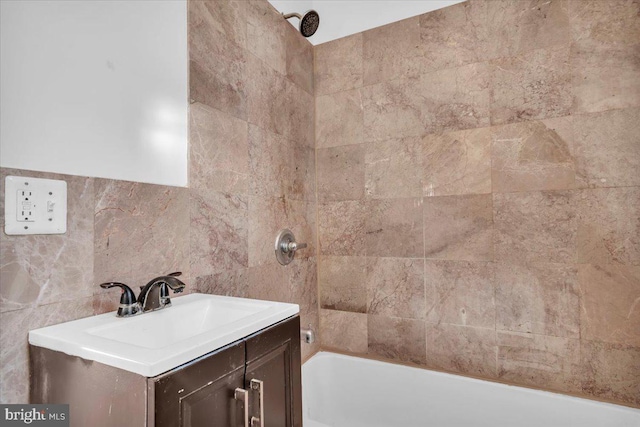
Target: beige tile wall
point(479, 193)
point(251, 173)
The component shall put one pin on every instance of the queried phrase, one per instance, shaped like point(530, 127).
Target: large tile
point(439, 101)
point(270, 157)
point(533, 85)
point(344, 331)
point(395, 287)
point(280, 166)
point(393, 168)
point(537, 360)
point(299, 115)
point(14, 352)
point(458, 227)
point(605, 76)
point(517, 27)
point(339, 119)
point(454, 36)
point(611, 371)
point(303, 277)
point(294, 283)
point(227, 17)
point(299, 59)
point(266, 34)
point(397, 339)
point(391, 51)
point(457, 163)
point(608, 22)
point(218, 151)
point(217, 67)
point(394, 228)
point(341, 173)
point(609, 226)
point(462, 349)
point(535, 227)
point(109, 301)
point(538, 298)
point(456, 99)
point(141, 231)
point(341, 283)
point(41, 269)
point(460, 293)
point(341, 228)
point(268, 105)
point(535, 155)
point(278, 105)
point(609, 298)
point(302, 182)
point(218, 232)
point(234, 283)
point(338, 65)
point(267, 216)
point(607, 150)
point(393, 109)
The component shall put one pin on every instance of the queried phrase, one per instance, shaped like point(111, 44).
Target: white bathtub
point(343, 391)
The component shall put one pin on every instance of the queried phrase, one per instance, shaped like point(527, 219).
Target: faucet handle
point(127, 297)
point(128, 303)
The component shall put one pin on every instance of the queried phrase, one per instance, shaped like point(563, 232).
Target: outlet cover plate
point(34, 206)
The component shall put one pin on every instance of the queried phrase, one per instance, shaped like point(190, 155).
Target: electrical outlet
point(35, 206)
point(25, 210)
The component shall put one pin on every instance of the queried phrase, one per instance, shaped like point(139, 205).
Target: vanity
point(206, 361)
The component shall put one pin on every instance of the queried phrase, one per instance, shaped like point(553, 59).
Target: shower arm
point(291, 15)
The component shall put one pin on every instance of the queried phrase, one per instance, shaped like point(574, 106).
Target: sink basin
point(155, 342)
point(181, 321)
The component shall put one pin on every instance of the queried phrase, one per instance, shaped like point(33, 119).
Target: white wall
point(95, 88)
point(340, 18)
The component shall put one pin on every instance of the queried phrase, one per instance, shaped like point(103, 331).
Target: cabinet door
point(201, 393)
point(273, 357)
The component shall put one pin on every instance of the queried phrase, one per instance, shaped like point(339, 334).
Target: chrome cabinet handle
point(258, 386)
point(243, 396)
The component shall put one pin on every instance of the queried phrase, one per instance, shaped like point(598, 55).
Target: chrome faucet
point(153, 296)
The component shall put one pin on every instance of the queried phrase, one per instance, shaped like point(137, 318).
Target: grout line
point(317, 204)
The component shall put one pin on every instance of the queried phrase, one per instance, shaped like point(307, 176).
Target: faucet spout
point(163, 284)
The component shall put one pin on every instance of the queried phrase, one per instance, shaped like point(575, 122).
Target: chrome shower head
point(309, 22)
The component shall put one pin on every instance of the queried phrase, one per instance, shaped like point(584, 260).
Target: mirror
point(95, 88)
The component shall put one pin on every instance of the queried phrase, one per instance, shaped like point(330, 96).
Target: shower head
point(309, 22)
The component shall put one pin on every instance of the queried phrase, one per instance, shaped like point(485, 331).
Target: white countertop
point(155, 342)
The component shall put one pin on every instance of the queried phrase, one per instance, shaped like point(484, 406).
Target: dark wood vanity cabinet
point(210, 391)
point(273, 357)
point(200, 393)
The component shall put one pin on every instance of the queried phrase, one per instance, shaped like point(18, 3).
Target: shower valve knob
point(293, 246)
point(286, 246)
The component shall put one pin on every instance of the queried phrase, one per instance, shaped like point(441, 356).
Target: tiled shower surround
point(477, 193)
point(478, 176)
point(251, 172)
